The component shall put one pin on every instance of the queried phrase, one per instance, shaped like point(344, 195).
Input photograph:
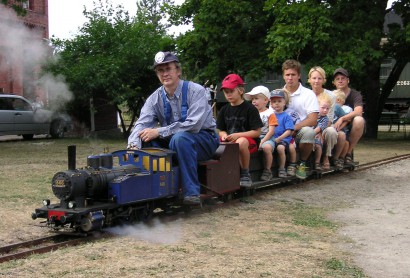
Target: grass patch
point(339, 267)
point(310, 217)
point(277, 237)
point(28, 166)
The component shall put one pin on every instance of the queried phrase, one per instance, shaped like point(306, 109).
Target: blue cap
point(277, 93)
point(165, 57)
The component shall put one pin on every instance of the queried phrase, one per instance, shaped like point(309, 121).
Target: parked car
point(19, 116)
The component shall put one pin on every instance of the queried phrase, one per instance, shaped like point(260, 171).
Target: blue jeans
point(190, 148)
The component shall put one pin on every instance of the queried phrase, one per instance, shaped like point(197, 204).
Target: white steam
point(57, 90)
point(24, 51)
point(154, 232)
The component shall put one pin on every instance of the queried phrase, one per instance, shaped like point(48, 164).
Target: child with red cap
point(239, 122)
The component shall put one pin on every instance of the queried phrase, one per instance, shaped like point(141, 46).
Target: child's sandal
point(318, 167)
point(326, 166)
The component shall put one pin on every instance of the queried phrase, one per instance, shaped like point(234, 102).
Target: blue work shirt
point(199, 115)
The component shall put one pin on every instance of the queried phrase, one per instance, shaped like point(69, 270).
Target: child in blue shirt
point(282, 136)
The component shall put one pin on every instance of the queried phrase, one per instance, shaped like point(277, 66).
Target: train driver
point(177, 116)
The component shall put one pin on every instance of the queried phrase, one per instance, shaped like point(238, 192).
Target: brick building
point(18, 69)
point(20, 38)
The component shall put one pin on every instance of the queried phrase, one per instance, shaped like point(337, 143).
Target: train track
point(381, 162)
point(47, 244)
point(50, 243)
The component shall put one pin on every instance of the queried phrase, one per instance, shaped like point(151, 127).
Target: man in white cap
point(177, 116)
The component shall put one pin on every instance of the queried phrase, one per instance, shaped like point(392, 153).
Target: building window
point(28, 5)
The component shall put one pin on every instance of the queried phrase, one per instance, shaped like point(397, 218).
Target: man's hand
point(338, 124)
point(132, 147)
point(148, 134)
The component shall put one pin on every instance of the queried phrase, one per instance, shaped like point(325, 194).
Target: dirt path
point(373, 209)
point(378, 222)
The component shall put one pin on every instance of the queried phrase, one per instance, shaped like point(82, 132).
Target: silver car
point(18, 116)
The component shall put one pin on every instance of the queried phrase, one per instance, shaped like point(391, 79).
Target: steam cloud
point(155, 232)
point(29, 51)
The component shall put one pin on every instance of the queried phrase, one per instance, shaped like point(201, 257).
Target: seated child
point(325, 102)
point(260, 98)
point(340, 100)
point(340, 112)
point(239, 122)
point(282, 137)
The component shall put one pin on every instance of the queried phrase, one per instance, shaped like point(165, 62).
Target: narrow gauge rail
point(382, 162)
point(318, 174)
point(43, 245)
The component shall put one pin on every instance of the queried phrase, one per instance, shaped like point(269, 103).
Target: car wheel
point(57, 129)
point(28, 136)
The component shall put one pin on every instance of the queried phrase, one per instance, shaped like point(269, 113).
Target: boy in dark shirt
point(239, 122)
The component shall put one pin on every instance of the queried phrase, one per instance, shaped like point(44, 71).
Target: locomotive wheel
point(145, 214)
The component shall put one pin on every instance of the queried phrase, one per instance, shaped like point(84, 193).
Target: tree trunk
point(371, 97)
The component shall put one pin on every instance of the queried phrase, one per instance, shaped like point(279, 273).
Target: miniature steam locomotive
point(128, 185)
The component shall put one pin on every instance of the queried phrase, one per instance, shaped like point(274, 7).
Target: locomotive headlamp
point(46, 202)
point(72, 204)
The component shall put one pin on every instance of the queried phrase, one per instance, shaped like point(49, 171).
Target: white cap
point(258, 90)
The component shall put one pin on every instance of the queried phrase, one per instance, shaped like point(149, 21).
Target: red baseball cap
point(232, 81)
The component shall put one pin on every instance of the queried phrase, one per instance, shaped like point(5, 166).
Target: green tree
point(16, 5)
point(153, 10)
point(253, 37)
point(227, 36)
point(111, 57)
point(344, 33)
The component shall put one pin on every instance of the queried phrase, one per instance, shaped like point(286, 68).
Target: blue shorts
point(271, 143)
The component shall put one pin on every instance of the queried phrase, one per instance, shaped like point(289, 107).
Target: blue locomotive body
point(158, 178)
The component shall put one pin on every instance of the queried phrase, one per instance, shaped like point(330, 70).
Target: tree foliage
point(340, 34)
point(16, 5)
point(111, 57)
point(250, 37)
point(227, 36)
point(153, 10)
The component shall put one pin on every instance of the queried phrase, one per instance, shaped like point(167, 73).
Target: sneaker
point(291, 170)
point(339, 164)
point(246, 181)
point(301, 171)
point(282, 173)
point(266, 175)
point(192, 200)
point(348, 160)
point(318, 167)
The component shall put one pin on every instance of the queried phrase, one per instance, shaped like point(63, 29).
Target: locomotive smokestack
point(71, 157)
